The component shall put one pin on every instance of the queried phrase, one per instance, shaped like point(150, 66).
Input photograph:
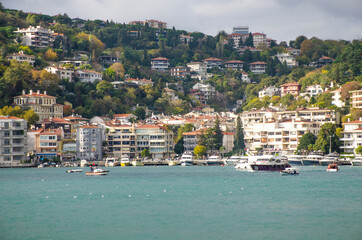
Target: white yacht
point(295, 159)
point(357, 161)
point(243, 164)
point(214, 160)
point(233, 160)
point(312, 159)
point(186, 159)
point(110, 162)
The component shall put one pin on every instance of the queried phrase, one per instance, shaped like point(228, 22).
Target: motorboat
point(214, 161)
point(137, 162)
point(329, 159)
point(125, 162)
point(97, 172)
point(312, 159)
point(233, 160)
point(357, 161)
point(269, 163)
point(333, 167)
point(172, 163)
point(295, 159)
point(110, 162)
point(74, 170)
point(83, 163)
point(289, 171)
point(243, 165)
point(186, 159)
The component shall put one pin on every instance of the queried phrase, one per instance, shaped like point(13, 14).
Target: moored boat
point(357, 161)
point(243, 165)
point(289, 171)
point(295, 159)
point(125, 162)
point(269, 163)
point(172, 163)
point(137, 162)
point(333, 167)
point(312, 159)
point(214, 161)
point(233, 160)
point(329, 159)
point(186, 159)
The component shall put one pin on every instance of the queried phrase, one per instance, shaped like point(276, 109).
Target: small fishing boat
point(97, 172)
point(333, 167)
point(172, 163)
point(125, 161)
point(137, 162)
point(289, 171)
point(74, 170)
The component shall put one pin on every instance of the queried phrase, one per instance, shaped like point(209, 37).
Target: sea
point(199, 202)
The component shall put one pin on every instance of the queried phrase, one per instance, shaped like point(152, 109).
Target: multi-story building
point(42, 104)
point(235, 65)
point(322, 62)
point(160, 63)
point(199, 68)
point(356, 99)
point(180, 71)
point(206, 89)
point(124, 118)
point(62, 73)
point(155, 138)
point(351, 136)
point(336, 98)
point(292, 88)
point(37, 37)
point(56, 123)
point(294, 51)
point(259, 40)
point(237, 38)
point(279, 135)
point(243, 30)
point(289, 59)
point(21, 57)
point(258, 67)
point(13, 140)
point(47, 143)
point(121, 141)
point(245, 77)
point(74, 62)
point(88, 75)
point(314, 90)
point(89, 142)
point(212, 62)
point(151, 23)
point(269, 91)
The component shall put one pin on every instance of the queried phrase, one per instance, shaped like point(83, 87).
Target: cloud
point(282, 20)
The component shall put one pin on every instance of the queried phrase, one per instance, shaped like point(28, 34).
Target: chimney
point(23, 92)
point(31, 92)
point(360, 119)
point(45, 92)
point(38, 92)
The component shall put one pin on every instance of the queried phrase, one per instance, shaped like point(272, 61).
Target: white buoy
point(129, 196)
point(147, 195)
point(75, 197)
point(164, 190)
point(90, 193)
point(46, 196)
point(230, 192)
point(102, 196)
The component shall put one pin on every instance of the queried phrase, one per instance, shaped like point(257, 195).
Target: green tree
point(104, 87)
point(140, 113)
point(200, 150)
point(145, 152)
point(217, 135)
point(358, 150)
point(327, 137)
point(179, 146)
point(306, 140)
point(239, 144)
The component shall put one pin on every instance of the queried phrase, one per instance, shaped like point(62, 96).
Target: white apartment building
point(289, 59)
point(280, 135)
point(269, 91)
point(21, 57)
point(180, 71)
point(356, 99)
point(198, 67)
point(47, 143)
point(243, 30)
point(336, 98)
point(212, 62)
point(245, 77)
point(42, 104)
point(89, 143)
point(37, 37)
point(62, 73)
point(121, 141)
point(13, 140)
point(259, 40)
point(313, 90)
point(88, 75)
point(160, 63)
point(234, 65)
point(206, 89)
point(352, 136)
point(185, 39)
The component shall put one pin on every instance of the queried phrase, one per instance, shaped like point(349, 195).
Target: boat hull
point(356, 163)
point(332, 170)
point(172, 163)
point(310, 162)
point(125, 164)
point(269, 168)
point(137, 163)
point(186, 164)
point(95, 173)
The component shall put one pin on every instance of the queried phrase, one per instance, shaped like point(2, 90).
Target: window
point(6, 150)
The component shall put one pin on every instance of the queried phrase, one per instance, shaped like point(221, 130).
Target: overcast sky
point(282, 20)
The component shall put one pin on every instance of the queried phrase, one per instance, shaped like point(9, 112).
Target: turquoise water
point(180, 203)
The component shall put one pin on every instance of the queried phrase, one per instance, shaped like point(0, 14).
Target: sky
point(282, 20)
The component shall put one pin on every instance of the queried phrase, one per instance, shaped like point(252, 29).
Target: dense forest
point(97, 38)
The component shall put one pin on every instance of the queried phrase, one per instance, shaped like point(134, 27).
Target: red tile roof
point(9, 117)
point(160, 58)
point(255, 63)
